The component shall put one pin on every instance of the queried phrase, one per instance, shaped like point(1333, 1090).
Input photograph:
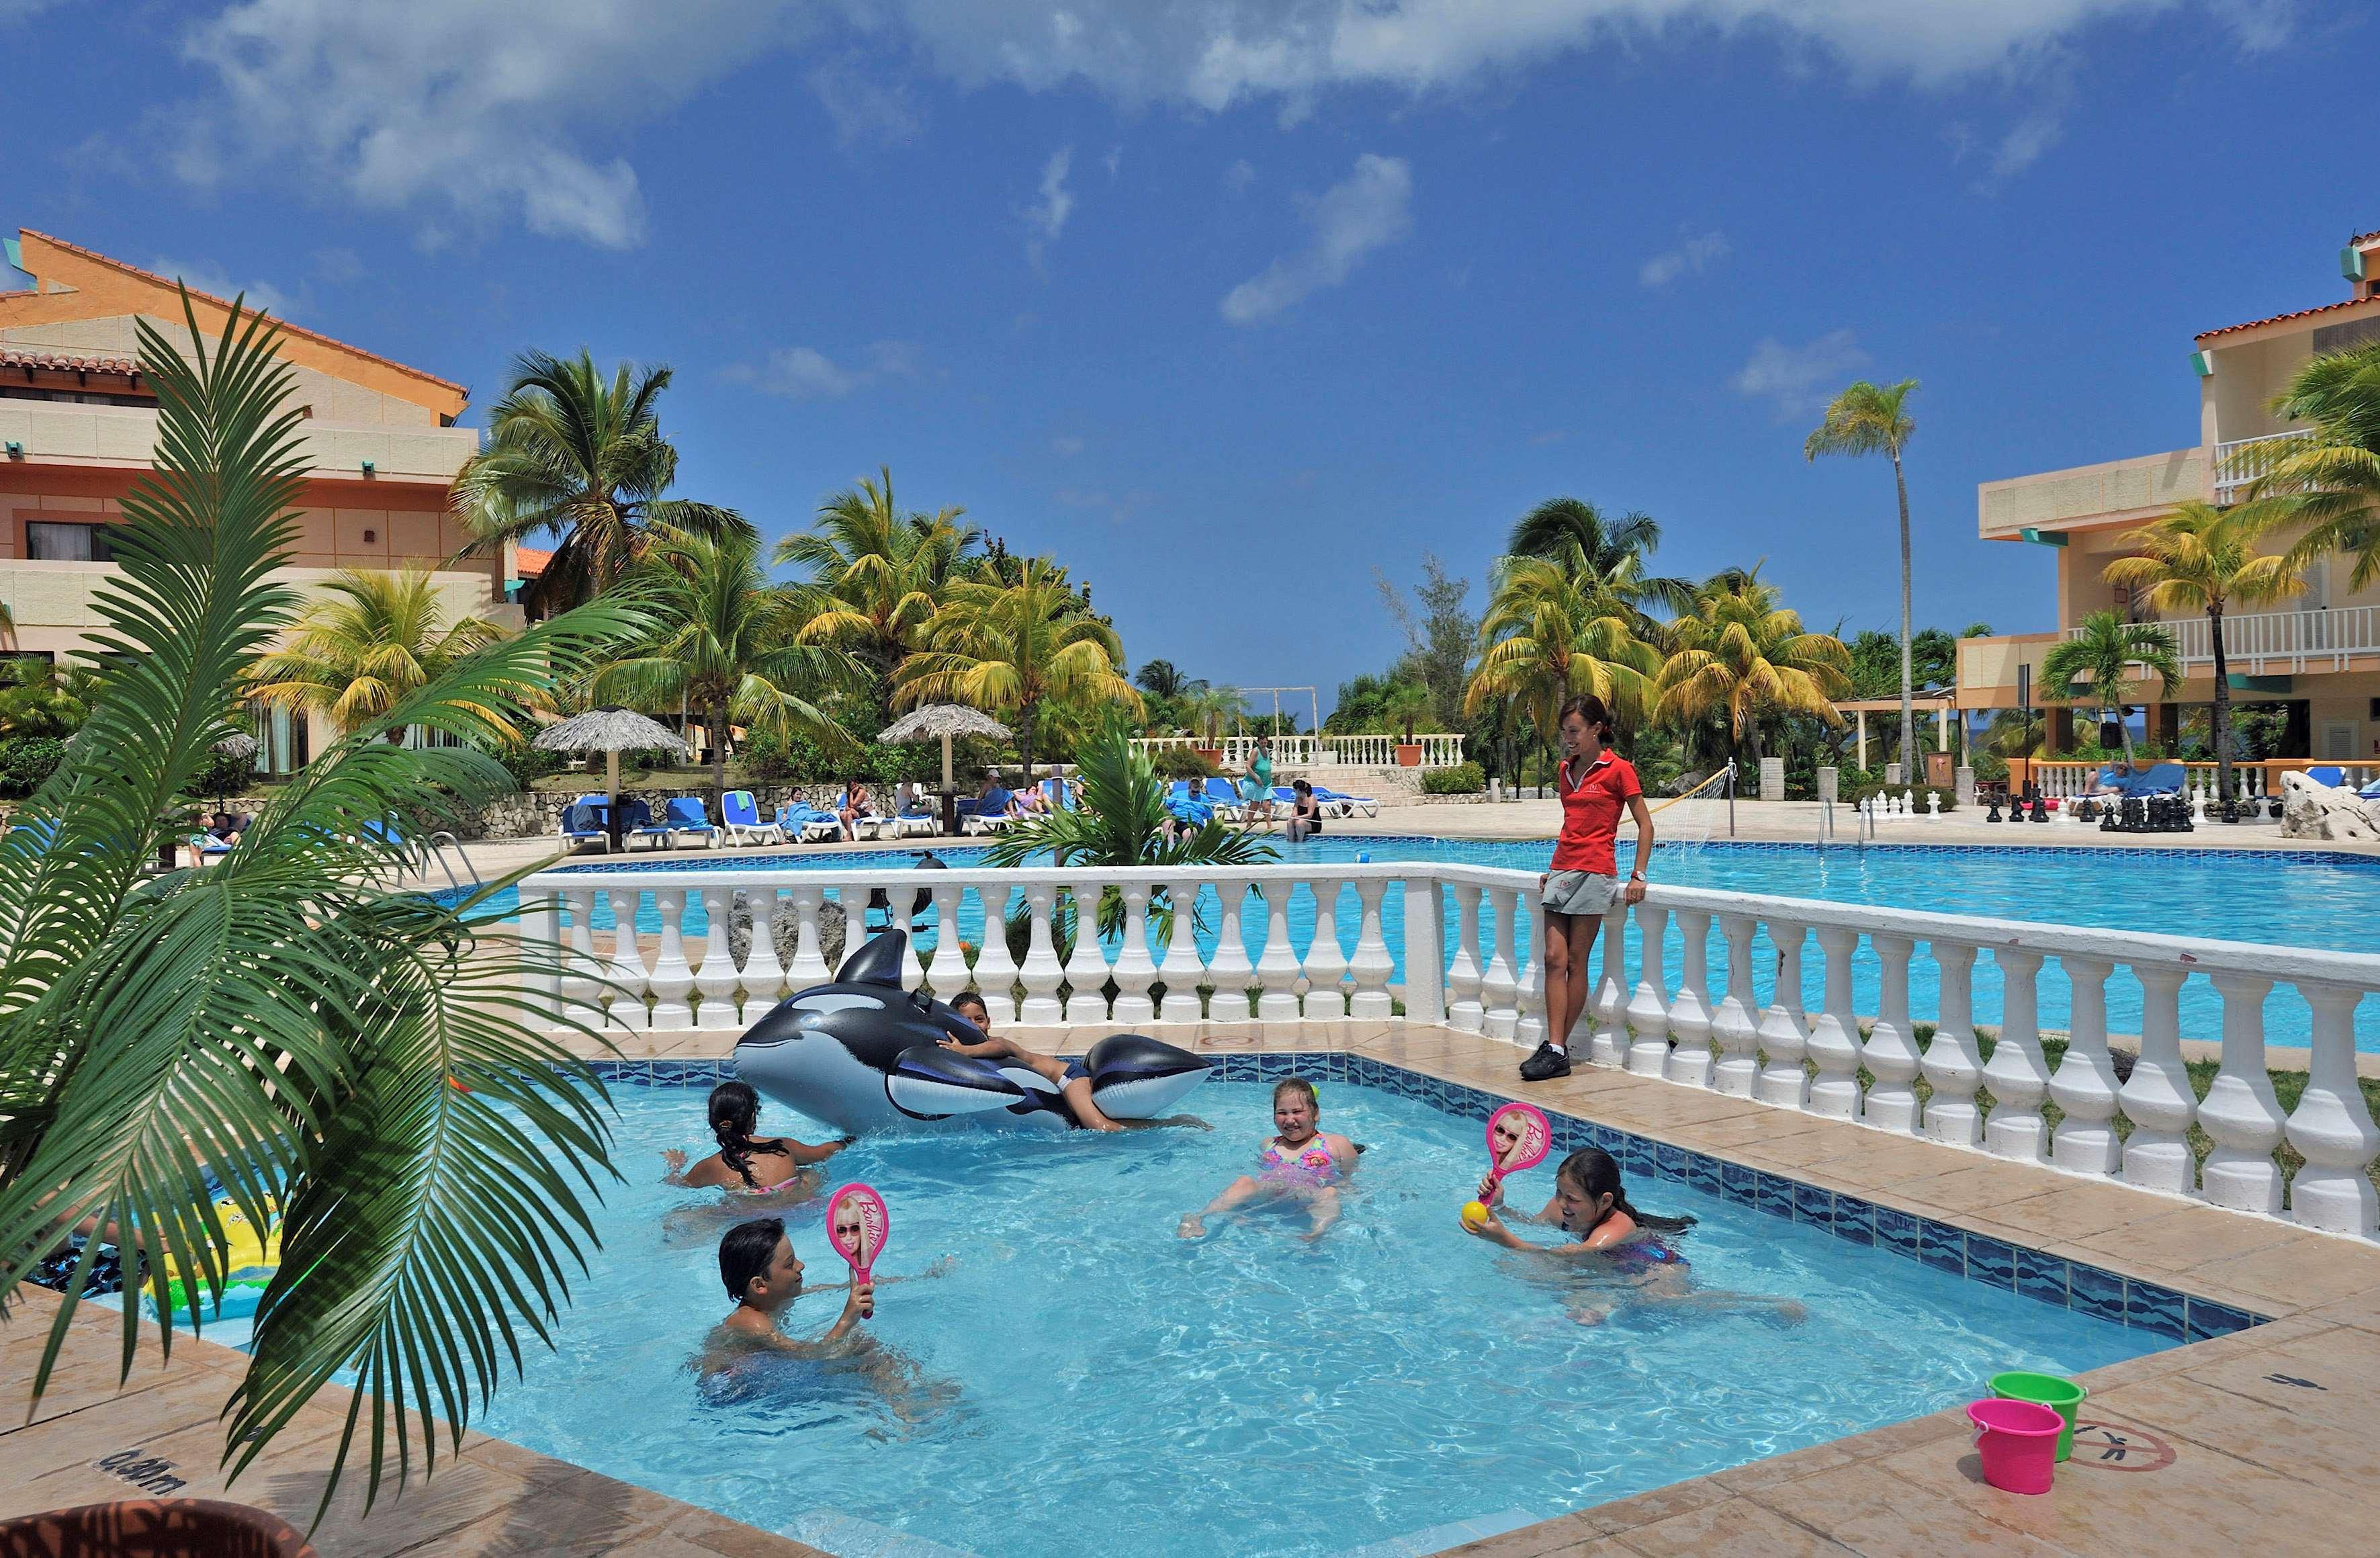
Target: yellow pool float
point(251, 1258)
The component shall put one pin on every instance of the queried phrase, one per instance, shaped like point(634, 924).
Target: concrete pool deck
point(2241, 1443)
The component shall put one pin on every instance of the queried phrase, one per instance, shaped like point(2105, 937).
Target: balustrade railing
point(1320, 751)
point(2249, 781)
point(2296, 641)
point(1846, 1010)
point(2239, 462)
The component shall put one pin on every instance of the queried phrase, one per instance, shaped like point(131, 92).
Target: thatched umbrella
point(610, 732)
point(238, 745)
point(947, 720)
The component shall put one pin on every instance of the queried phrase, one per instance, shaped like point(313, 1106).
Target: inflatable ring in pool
point(250, 1260)
point(864, 1054)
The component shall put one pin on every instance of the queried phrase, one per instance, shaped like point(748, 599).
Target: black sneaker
point(1546, 1064)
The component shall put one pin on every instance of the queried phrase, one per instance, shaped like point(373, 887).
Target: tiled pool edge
point(2041, 1276)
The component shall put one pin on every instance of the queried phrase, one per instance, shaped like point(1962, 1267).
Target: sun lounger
point(741, 814)
point(2336, 778)
point(1348, 804)
point(801, 819)
point(583, 820)
point(686, 814)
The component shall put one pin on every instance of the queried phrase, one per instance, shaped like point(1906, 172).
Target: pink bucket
point(2017, 1440)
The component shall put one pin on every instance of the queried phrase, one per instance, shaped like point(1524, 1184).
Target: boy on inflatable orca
point(1072, 1078)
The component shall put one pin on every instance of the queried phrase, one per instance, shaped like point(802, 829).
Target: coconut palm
point(2332, 485)
point(2201, 558)
point(2098, 660)
point(45, 700)
point(1554, 627)
point(1742, 657)
point(573, 453)
point(1874, 419)
point(726, 641)
point(1163, 678)
point(1615, 549)
point(1209, 709)
point(1405, 706)
point(357, 1061)
point(1012, 649)
point(879, 571)
point(380, 638)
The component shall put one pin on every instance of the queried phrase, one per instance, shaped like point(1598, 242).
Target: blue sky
point(1229, 303)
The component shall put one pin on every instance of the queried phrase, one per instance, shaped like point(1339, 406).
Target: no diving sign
point(2119, 1447)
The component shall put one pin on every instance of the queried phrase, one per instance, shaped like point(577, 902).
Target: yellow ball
point(1475, 1214)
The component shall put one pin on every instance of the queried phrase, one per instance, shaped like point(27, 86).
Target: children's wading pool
point(1084, 1380)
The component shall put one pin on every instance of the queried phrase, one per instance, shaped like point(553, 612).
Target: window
point(49, 542)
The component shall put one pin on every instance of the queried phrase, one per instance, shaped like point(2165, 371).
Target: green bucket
point(2061, 1396)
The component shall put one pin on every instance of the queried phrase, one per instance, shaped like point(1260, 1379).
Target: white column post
point(2084, 1084)
point(1371, 966)
point(2015, 1073)
point(1425, 950)
point(716, 978)
point(2331, 1126)
point(1086, 964)
point(1734, 1025)
point(1952, 1063)
point(1890, 1052)
point(995, 968)
point(1499, 987)
point(2158, 1097)
point(1277, 968)
point(1326, 962)
point(1784, 1037)
point(1466, 1011)
point(1529, 1000)
point(1133, 968)
point(540, 944)
point(809, 966)
point(581, 997)
point(1648, 1008)
point(901, 904)
point(628, 970)
point(673, 978)
point(1230, 969)
point(948, 973)
point(1040, 972)
point(2239, 1111)
point(1861, 759)
point(764, 976)
point(1690, 1016)
point(1180, 969)
point(1834, 1038)
point(1609, 1045)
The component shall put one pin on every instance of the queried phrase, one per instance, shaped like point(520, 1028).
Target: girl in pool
point(774, 1167)
point(1074, 1083)
point(1301, 1165)
point(1617, 1245)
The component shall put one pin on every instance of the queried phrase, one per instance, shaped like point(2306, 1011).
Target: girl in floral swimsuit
point(1616, 1244)
point(1301, 1164)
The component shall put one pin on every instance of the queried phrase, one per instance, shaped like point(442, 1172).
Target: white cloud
point(1045, 219)
point(205, 275)
point(1800, 378)
point(865, 106)
point(1114, 160)
point(1370, 208)
point(1692, 256)
point(807, 374)
point(1239, 175)
point(1066, 445)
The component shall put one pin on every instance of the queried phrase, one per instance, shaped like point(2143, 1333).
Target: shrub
point(1950, 796)
point(1183, 763)
point(1462, 779)
point(26, 762)
point(224, 775)
point(528, 764)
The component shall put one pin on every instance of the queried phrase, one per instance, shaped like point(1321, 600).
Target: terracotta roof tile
point(2276, 319)
point(529, 562)
point(62, 362)
point(225, 302)
point(2362, 237)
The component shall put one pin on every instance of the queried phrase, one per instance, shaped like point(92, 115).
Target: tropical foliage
point(1868, 418)
point(1556, 627)
point(2333, 486)
point(348, 1059)
point(574, 453)
point(378, 640)
point(2096, 663)
point(879, 572)
point(1616, 550)
point(1743, 657)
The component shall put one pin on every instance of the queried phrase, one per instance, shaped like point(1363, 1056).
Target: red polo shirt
point(1591, 814)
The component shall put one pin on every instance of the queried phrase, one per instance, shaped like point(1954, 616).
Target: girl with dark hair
point(1583, 883)
point(1616, 1242)
point(747, 1164)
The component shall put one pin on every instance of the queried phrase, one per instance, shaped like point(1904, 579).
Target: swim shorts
point(1582, 893)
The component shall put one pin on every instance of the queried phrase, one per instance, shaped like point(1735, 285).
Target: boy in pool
point(1302, 1163)
point(762, 1274)
point(1074, 1083)
point(1616, 1242)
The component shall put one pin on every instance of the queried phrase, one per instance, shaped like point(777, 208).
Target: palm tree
point(1406, 704)
point(1209, 709)
point(1871, 420)
point(1743, 656)
point(2333, 483)
point(1012, 649)
point(1554, 627)
point(879, 572)
point(726, 641)
point(379, 639)
point(355, 1062)
point(2098, 660)
point(1614, 549)
point(2201, 558)
point(45, 700)
point(572, 453)
point(1163, 678)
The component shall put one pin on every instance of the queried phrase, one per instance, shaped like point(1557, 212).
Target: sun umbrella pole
point(612, 781)
point(946, 763)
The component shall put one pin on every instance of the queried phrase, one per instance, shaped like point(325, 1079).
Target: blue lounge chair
point(801, 819)
point(585, 820)
point(2371, 791)
point(742, 815)
point(1348, 804)
point(2336, 778)
point(686, 814)
point(636, 821)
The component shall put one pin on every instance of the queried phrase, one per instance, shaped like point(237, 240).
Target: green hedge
point(799, 761)
point(1462, 779)
point(26, 762)
point(1183, 763)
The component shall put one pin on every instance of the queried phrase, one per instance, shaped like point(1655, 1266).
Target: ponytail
point(1595, 1171)
point(734, 1110)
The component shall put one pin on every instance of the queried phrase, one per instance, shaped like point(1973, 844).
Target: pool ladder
point(439, 843)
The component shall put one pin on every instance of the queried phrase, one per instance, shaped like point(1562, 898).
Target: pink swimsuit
point(1313, 1163)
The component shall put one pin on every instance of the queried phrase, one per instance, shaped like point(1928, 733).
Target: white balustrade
point(1689, 1018)
point(1529, 1029)
point(2139, 1133)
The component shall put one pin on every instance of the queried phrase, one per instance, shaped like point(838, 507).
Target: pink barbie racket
point(858, 1223)
point(1518, 1138)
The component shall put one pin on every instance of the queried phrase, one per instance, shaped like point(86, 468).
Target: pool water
point(1080, 1370)
point(2298, 899)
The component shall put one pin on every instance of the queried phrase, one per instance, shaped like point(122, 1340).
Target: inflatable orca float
point(864, 1054)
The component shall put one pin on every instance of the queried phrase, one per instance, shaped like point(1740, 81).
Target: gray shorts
point(1584, 893)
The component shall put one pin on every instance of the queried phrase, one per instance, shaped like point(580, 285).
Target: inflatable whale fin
point(877, 962)
point(1136, 1077)
point(928, 1082)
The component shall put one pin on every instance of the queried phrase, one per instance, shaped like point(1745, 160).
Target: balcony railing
point(2261, 641)
point(1445, 946)
point(2240, 462)
point(1315, 751)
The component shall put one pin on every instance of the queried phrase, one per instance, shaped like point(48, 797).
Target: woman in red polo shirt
point(1595, 783)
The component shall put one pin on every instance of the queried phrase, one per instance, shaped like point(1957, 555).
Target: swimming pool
point(1081, 1372)
point(2296, 898)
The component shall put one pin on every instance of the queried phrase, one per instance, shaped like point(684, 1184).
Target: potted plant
point(1404, 705)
